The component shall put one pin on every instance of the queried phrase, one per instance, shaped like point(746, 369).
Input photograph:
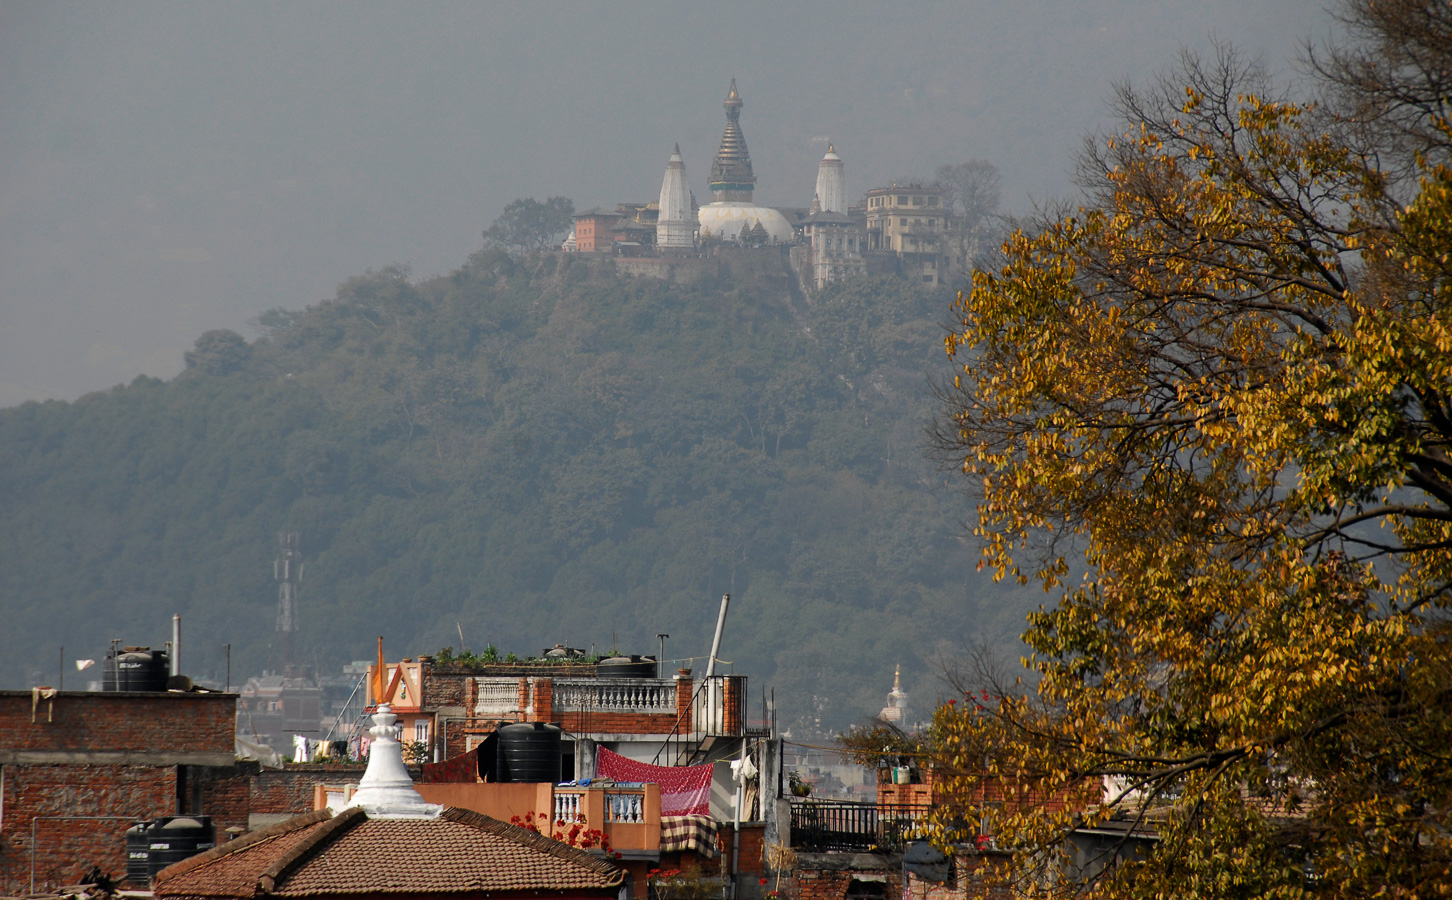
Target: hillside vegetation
point(528, 450)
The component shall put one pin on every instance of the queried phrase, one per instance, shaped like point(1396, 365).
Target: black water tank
point(175, 838)
point(136, 669)
point(626, 667)
point(529, 753)
point(138, 845)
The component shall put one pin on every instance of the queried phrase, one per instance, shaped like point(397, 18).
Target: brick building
point(678, 720)
point(595, 230)
point(77, 769)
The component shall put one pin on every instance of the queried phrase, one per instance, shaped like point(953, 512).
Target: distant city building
point(272, 707)
point(910, 221)
point(595, 230)
point(832, 239)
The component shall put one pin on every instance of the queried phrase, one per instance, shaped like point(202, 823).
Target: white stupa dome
point(725, 220)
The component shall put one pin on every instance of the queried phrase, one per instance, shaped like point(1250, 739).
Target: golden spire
point(731, 175)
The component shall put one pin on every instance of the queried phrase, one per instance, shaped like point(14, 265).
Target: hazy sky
point(166, 168)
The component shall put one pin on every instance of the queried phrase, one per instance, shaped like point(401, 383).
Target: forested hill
point(532, 451)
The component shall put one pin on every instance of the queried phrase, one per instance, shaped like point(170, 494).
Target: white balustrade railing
point(625, 806)
point(629, 695)
point(497, 697)
point(567, 805)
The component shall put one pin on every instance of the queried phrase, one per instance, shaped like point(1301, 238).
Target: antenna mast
point(288, 572)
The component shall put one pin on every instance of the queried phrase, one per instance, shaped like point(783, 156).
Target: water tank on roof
point(529, 753)
point(136, 669)
point(626, 667)
point(175, 838)
point(138, 841)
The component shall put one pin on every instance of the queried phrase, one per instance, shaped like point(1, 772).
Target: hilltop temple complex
point(900, 230)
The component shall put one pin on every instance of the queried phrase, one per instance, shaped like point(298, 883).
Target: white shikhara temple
point(676, 227)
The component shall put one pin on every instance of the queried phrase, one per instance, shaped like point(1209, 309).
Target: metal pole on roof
point(716, 642)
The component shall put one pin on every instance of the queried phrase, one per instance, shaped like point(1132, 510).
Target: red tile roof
point(458, 852)
point(231, 869)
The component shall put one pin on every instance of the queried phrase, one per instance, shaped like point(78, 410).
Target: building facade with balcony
point(678, 720)
point(911, 222)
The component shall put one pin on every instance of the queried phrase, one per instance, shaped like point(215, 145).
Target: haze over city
point(169, 169)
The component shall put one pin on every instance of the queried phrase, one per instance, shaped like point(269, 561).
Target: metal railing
point(709, 715)
point(819, 825)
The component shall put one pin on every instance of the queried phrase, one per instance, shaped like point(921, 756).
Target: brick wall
point(226, 795)
point(616, 723)
point(967, 882)
point(685, 687)
point(753, 841)
point(78, 770)
point(64, 849)
point(544, 695)
point(443, 689)
point(731, 691)
point(833, 884)
point(290, 790)
point(86, 722)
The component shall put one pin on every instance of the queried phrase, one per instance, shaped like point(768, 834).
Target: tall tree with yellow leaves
point(1225, 383)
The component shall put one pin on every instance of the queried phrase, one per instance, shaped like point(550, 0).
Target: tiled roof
point(231, 869)
point(458, 852)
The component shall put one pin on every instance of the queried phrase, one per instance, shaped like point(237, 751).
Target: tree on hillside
point(1226, 380)
point(971, 193)
point(527, 225)
point(218, 352)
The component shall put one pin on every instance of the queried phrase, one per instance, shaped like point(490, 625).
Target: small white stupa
point(896, 710)
point(386, 790)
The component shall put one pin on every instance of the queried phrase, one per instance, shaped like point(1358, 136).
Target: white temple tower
point(832, 183)
point(896, 710)
point(676, 227)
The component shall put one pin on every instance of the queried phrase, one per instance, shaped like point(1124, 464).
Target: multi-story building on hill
point(910, 222)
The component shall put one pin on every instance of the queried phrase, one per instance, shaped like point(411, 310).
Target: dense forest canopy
point(529, 450)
